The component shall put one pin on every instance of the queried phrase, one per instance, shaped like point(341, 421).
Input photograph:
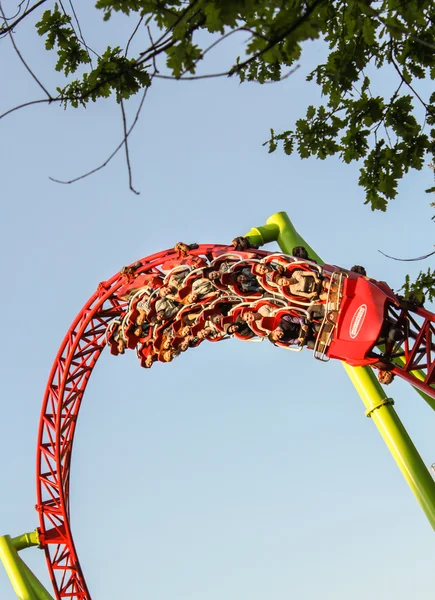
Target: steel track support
point(279, 228)
point(26, 585)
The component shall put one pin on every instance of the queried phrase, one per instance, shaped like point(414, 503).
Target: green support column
point(380, 408)
point(26, 585)
point(14, 569)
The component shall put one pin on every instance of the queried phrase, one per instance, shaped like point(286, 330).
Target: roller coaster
point(173, 301)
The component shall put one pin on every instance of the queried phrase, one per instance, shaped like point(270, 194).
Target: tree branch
point(192, 77)
point(106, 162)
point(82, 39)
point(280, 38)
point(132, 35)
point(177, 22)
point(22, 59)
point(406, 82)
point(9, 28)
point(408, 259)
point(370, 11)
point(127, 154)
point(31, 103)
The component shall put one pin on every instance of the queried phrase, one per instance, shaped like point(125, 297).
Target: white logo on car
point(357, 321)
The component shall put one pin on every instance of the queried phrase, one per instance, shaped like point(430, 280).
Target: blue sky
point(239, 470)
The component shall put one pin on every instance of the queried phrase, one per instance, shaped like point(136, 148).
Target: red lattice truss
point(67, 383)
point(417, 351)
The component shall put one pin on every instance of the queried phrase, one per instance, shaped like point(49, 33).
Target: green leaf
point(213, 18)
point(288, 146)
point(369, 30)
point(311, 111)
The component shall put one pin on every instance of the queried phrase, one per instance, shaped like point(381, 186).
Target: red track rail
point(66, 386)
point(417, 349)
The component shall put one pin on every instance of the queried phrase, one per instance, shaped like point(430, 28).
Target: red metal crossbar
point(414, 353)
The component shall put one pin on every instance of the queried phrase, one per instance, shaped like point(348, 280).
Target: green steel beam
point(279, 228)
point(39, 590)
point(26, 585)
point(14, 569)
point(26, 540)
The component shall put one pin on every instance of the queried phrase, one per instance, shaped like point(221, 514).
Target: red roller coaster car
point(357, 319)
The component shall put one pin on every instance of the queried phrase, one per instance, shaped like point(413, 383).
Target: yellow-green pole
point(36, 585)
point(279, 228)
point(25, 540)
point(26, 585)
point(14, 569)
point(380, 409)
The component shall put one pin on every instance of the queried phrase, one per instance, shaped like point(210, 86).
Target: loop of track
point(67, 383)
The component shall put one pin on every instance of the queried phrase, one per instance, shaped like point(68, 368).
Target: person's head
point(191, 298)
point(261, 269)
point(359, 269)
point(385, 377)
point(240, 278)
point(166, 343)
point(184, 344)
point(185, 331)
point(248, 316)
point(138, 331)
point(277, 334)
point(213, 275)
point(216, 319)
point(300, 252)
point(282, 281)
point(233, 328)
point(141, 319)
point(164, 291)
point(149, 361)
point(160, 316)
point(167, 355)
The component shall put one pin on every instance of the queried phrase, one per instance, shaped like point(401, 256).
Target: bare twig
point(177, 22)
point(22, 59)
point(145, 57)
point(133, 34)
point(19, 7)
point(127, 154)
point(10, 27)
point(31, 103)
point(154, 58)
point(396, 66)
point(223, 74)
point(106, 162)
point(193, 77)
point(216, 75)
point(408, 259)
point(18, 10)
point(295, 68)
point(382, 121)
point(254, 33)
point(215, 43)
point(80, 31)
